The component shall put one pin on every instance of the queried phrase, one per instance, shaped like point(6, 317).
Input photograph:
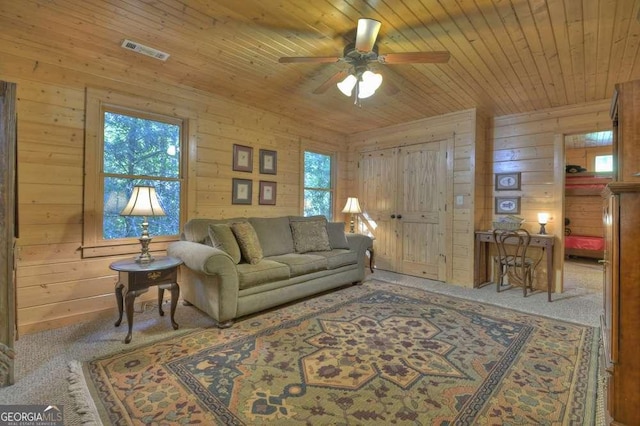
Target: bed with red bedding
point(584, 246)
point(585, 183)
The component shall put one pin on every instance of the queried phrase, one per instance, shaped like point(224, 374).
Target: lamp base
point(144, 258)
point(542, 230)
point(145, 239)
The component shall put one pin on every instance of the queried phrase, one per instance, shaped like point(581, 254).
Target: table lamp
point(352, 207)
point(143, 202)
point(543, 218)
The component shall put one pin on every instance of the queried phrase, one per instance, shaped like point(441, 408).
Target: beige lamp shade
point(143, 202)
point(352, 206)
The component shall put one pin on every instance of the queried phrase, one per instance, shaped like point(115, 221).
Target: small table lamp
point(543, 218)
point(143, 202)
point(352, 207)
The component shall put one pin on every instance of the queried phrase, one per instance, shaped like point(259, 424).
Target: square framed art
point(241, 191)
point(242, 158)
point(267, 193)
point(508, 181)
point(507, 205)
point(268, 162)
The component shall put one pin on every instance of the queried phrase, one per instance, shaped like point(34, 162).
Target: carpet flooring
point(42, 358)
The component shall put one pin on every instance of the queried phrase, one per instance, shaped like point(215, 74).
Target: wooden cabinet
point(625, 110)
point(621, 318)
point(403, 191)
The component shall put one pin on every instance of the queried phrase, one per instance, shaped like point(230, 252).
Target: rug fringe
point(79, 391)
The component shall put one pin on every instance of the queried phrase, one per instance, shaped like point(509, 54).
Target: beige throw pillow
point(222, 237)
point(248, 242)
point(310, 235)
point(337, 237)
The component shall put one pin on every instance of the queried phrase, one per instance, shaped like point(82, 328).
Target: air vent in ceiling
point(145, 50)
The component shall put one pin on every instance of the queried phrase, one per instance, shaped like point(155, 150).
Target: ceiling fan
point(359, 54)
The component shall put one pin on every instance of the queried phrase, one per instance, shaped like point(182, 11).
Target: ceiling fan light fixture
point(346, 86)
point(369, 83)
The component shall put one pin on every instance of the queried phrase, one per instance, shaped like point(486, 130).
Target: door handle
point(399, 216)
point(393, 216)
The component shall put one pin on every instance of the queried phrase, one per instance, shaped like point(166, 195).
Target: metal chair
point(512, 261)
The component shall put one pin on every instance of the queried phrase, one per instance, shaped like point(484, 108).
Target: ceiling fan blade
point(367, 34)
point(332, 81)
point(415, 58)
point(389, 87)
point(317, 59)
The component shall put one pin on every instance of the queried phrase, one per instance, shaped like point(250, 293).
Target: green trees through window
point(318, 185)
point(140, 151)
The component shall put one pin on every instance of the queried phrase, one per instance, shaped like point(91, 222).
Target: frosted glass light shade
point(369, 84)
point(543, 218)
point(346, 86)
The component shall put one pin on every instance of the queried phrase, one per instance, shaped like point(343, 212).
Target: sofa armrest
point(203, 258)
point(359, 243)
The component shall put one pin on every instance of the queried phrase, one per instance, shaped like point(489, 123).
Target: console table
point(135, 279)
point(485, 238)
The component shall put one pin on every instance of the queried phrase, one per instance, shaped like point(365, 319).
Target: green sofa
point(240, 266)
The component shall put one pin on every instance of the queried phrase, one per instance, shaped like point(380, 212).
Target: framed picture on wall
point(241, 191)
point(508, 181)
point(507, 205)
point(267, 193)
point(268, 162)
point(242, 158)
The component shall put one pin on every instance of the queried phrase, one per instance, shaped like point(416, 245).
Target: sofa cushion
point(248, 242)
point(222, 237)
point(337, 237)
point(261, 273)
point(274, 234)
point(310, 235)
point(337, 258)
point(301, 264)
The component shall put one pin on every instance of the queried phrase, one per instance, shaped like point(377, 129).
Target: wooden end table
point(135, 279)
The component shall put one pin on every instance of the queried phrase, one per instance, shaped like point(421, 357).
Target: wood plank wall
point(533, 144)
point(462, 172)
point(55, 286)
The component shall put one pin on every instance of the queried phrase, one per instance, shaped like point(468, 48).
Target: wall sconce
point(543, 218)
point(143, 202)
point(352, 207)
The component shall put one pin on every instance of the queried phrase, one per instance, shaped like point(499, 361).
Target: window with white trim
point(318, 184)
point(604, 163)
point(131, 141)
point(138, 150)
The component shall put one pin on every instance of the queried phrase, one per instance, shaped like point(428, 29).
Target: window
point(138, 150)
point(604, 163)
point(133, 141)
point(318, 184)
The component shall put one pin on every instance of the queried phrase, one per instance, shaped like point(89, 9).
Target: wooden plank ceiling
point(507, 56)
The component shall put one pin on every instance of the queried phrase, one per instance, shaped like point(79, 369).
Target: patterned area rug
point(372, 354)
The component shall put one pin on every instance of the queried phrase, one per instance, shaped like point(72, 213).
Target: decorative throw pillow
point(248, 242)
point(310, 235)
point(222, 237)
point(337, 237)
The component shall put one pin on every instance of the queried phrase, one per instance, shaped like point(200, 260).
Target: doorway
point(588, 169)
